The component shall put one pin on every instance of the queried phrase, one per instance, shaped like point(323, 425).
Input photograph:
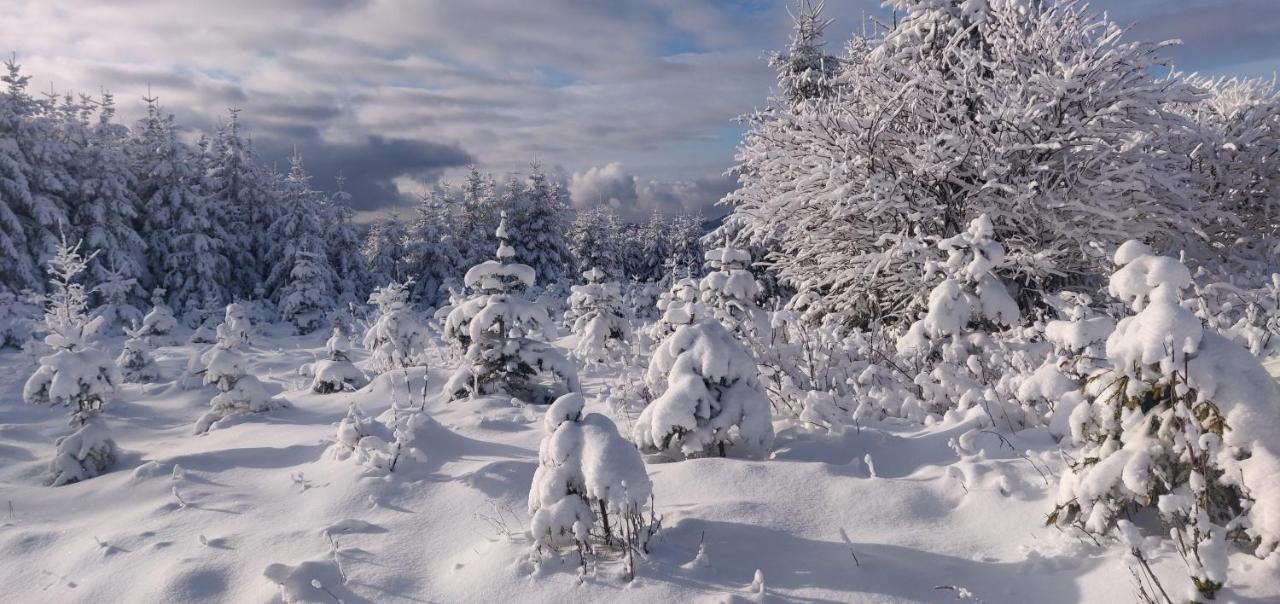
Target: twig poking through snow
point(849, 542)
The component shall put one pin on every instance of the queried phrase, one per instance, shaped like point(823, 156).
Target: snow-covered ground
point(887, 512)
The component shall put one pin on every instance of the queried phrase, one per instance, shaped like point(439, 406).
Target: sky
point(627, 102)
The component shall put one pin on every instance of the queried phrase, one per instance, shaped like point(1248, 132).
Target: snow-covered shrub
point(336, 373)
point(681, 305)
point(238, 392)
point(953, 339)
point(591, 489)
point(76, 374)
point(504, 335)
point(729, 291)
point(379, 443)
point(1075, 338)
point(396, 339)
point(1184, 421)
point(135, 362)
point(595, 315)
point(709, 400)
point(159, 321)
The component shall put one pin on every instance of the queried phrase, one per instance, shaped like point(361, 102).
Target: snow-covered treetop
point(66, 314)
point(497, 276)
point(594, 275)
point(1162, 331)
point(392, 297)
point(728, 258)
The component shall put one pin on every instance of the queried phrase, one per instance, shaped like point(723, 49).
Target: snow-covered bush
point(595, 315)
point(591, 489)
point(379, 443)
point(681, 305)
point(709, 400)
point(1184, 421)
point(1057, 382)
point(159, 321)
point(396, 339)
point(729, 291)
point(504, 335)
point(135, 362)
point(336, 373)
point(952, 340)
point(76, 374)
point(238, 392)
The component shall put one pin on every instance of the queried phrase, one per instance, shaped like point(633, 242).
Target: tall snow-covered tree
point(301, 281)
point(240, 193)
point(33, 183)
point(342, 237)
point(384, 252)
point(480, 210)
point(805, 71)
point(594, 238)
point(1038, 114)
point(538, 218)
point(184, 243)
point(434, 258)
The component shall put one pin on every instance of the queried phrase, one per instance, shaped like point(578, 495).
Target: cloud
point(613, 185)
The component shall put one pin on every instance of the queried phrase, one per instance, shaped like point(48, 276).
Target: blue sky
point(626, 100)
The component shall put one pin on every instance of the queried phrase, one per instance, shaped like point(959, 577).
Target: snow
point(261, 494)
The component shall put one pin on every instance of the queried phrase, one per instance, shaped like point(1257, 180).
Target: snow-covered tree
point(159, 320)
point(396, 339)
point(238, 391)
point(480, 214)
point(103, 205)
point(434, 258)
point(300, 281)
point(33, 182)
point(342, 238)
point(336, 373)
point(591, 489)
point(595, 315)
point(240, 194)
point(1183, 422)
point(504, 335)
point(1038, 114)
point(538, 218)
point(116, 294)
point(135, 362)
point(805, 71)
point(595, 239)
point(709, 399)
point(683, 245)
point(185, 252)
point(729, 291)
point(76, 375)
point(384, 251)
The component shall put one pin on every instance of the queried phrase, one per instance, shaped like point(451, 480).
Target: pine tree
point(505, 336)
point(480, 210)
point(384, 252)
point(77, 374)
point(185, 254)
point(805, 71)
point(240, 195)
point(539, 219)
point(33, 182)
point(432, 250)
point(301, 281)
point(104, 206)
point(342, 237)
point(595, 238)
